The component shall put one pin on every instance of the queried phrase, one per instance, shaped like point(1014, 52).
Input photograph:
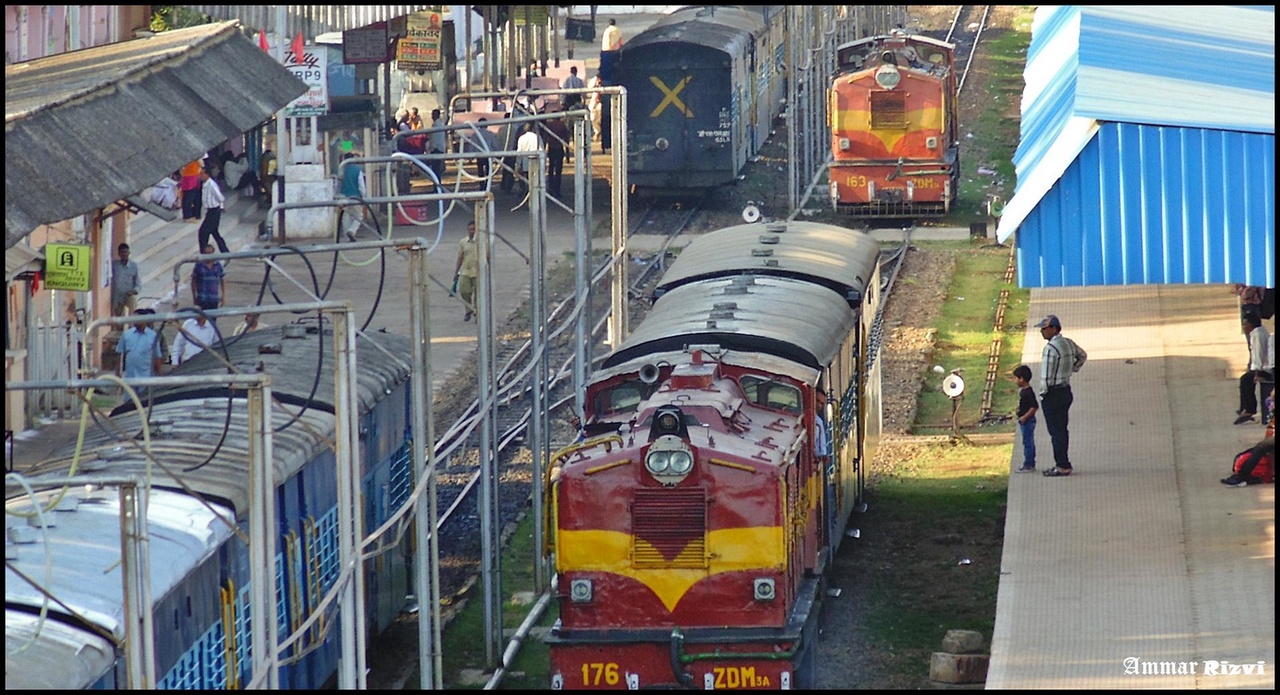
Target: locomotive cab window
point(888, 109)
point(623, 398)
point(771, 394)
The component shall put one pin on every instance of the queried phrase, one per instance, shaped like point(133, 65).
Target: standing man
point(557, 136)
point(189, 184)
point(573, 82)
point(213, 202)
point(208, 283)
point(467, 269)
point(528, 142)
point(1259, 359)
point(609, 47)
point(439, 140)
point(195, 335)
point(140, 352)
point(126, 283)
point(1061, 358)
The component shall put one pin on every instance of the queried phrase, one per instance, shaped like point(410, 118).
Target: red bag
point(1264, 471)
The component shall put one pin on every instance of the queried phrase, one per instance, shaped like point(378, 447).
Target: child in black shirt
point(1027, 407)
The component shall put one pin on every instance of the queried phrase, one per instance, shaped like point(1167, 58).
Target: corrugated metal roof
point(842, 259)
point(793, 319)
point(60, 657)
point(89, 127)
point(1148, 147)
point(311, 20)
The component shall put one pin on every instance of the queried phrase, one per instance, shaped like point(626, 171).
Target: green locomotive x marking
point(671, 97)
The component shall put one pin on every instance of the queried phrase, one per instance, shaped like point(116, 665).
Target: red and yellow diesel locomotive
point(894, 127)
point(725, 447)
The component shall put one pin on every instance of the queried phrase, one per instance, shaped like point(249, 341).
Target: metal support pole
point(582, 262)
point(538, 424)
point(426, 567)
point(135, 571)
point(488, 464)
point(618, 319)
point(351, 673)
point(262, 545)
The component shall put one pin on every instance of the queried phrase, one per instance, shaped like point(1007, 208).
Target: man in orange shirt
point(190, 186)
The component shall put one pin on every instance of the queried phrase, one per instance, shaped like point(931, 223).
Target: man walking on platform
point(213, 202)
point(1061, 358)
point(467, 269)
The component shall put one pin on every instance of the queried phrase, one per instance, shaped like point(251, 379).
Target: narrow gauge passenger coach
point(704, 85)
point(894, 127)
point(199, 562)
point(726, 447)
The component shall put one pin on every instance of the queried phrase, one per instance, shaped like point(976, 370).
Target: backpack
point(1264, 471)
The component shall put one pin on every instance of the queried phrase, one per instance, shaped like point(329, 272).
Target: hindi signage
point(420, 49)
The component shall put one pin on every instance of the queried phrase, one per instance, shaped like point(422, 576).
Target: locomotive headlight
point(662, 143)
point(580, 590)
point(764, 590)
point(888, 77)
point(669, 459)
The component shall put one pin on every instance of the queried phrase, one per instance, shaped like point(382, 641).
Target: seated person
point(239, 176)
point(1263, 449)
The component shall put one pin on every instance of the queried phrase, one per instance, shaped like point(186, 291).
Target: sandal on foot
point(1057, 473)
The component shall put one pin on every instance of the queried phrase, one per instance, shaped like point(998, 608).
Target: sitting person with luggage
point(1257, 465)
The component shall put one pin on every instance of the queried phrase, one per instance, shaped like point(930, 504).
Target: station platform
point(1141, 563)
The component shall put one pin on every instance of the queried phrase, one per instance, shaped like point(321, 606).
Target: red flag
point(299, 48)
point(262, 41)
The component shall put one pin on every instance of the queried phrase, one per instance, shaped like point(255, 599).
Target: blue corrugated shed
point(1148, 148)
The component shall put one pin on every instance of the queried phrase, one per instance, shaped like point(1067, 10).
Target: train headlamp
point(888, 77)
point(580, 590)
point(669, 460)
point(764, 589)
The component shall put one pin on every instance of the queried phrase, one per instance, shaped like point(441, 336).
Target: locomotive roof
point(796, 320)
point(383, 361)
point(913, 38)
point(712, 26)
point(194, 427)
point(181, 534)
point(842, 259)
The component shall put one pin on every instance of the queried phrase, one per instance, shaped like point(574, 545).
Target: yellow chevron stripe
point(728, 550)
point(859, 121)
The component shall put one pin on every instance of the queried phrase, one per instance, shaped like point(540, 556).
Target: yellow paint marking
point(731, 464)
point(671, 97)
point(728, 550)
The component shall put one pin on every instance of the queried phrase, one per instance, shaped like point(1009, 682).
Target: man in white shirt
point(213, 202)
point(612, 40)
point(1259, 371)
point(193, 336)
point(528, 142)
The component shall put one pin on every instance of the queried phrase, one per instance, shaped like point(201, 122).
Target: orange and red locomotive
point(725, 448)
point(894, 127)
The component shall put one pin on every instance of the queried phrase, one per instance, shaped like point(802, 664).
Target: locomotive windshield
point(771, 394)
point(623, 398)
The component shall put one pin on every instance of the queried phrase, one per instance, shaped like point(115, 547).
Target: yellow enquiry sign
point(66, 266)
point(671, 96)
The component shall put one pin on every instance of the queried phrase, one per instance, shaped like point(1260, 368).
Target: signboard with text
point(420, 48)
point(67, 266)
point(314, 70)
point(369, 44)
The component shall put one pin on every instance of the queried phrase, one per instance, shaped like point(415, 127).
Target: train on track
point(704, 85)
point(197, 521)
point(894, 127)
point(724, 447)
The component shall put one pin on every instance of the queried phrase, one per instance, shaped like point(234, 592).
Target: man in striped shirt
point(1061, 358)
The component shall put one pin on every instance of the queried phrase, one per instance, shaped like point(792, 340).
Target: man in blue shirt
point(208, 285)
point(139, 348)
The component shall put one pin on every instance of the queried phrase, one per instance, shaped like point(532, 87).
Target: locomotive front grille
point(888, 110)
point(669, 528)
